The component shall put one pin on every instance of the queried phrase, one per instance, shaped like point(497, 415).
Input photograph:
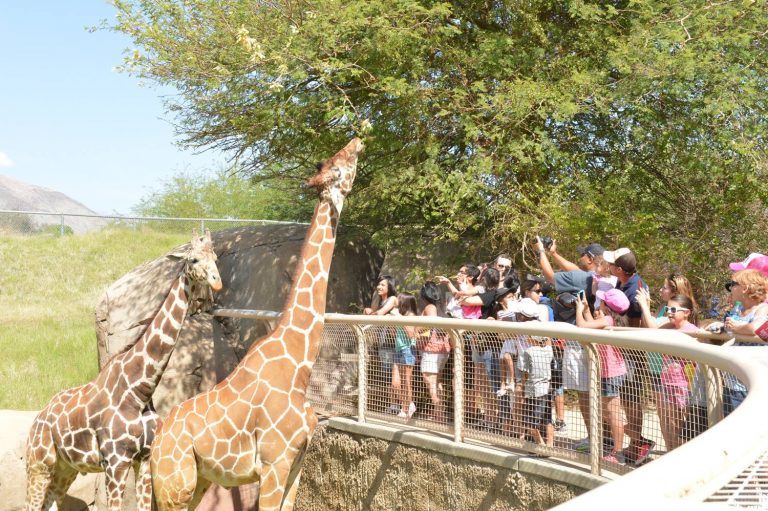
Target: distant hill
point(18, 196)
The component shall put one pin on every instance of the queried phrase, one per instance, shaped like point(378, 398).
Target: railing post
point(362, 373)
point(457, 336)
point(595, 420)
point(714, 389)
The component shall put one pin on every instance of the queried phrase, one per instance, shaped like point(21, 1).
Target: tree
point(225, 194)
point(638, 123)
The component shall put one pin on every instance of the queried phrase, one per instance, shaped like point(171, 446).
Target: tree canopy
point(637, 123)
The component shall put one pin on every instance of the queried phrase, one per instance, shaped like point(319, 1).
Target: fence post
point(458, 384)
point(595, 420)
point(362, 373)
point(61, 226)
point(202, 226)
point(714, 389)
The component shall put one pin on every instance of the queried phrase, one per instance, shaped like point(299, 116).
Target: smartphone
point(581, 294)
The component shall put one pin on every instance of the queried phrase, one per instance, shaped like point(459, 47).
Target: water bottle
point(735, 313)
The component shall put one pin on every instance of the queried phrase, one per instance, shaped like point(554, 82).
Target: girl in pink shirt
point(613, 370)
point(674, 383)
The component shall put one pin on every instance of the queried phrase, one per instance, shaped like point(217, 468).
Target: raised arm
point(546, 267)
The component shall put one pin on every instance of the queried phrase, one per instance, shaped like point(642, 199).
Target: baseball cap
point(743, 265)
point(760, 264)
point(593, 249)
point(615, 299)
point(528, 308)
point(610, 256)
point(503, 291)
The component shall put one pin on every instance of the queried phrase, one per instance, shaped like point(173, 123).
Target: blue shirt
point(630, 290)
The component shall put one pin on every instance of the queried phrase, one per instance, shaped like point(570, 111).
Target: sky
point(70, 122)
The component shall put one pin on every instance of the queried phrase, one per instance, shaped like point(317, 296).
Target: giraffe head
point(336, 174)
point(200, 263)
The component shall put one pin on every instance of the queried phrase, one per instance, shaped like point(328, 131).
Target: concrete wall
point(366, 467)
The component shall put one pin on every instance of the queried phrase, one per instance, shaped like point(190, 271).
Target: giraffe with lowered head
point(108, 425)
point(255, 424)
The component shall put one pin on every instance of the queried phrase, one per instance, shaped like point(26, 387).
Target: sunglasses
point(730, 285)
point(503, 266)
point(675, 310)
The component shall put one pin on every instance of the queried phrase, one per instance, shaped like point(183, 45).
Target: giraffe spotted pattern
point(108, 425)
point(255, 424)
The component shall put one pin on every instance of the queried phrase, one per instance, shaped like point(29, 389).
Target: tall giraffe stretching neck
point(254, 424)
point(108, 424)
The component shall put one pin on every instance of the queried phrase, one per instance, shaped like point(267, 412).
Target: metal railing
point(354, 376)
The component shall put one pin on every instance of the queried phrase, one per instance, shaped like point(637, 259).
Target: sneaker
point(501, 392)
point(611, 458)
point(642, 450)
point(560, 425)
point(402, 414)
point(393, 409)
point(411, 409)
point(582, 445)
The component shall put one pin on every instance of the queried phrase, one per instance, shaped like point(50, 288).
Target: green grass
point(49, 287)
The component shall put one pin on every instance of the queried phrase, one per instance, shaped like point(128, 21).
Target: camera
point(546, 241)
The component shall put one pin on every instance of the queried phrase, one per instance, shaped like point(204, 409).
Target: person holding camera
point(573, 279)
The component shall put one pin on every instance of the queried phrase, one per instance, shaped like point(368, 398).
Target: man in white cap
point(624, 267)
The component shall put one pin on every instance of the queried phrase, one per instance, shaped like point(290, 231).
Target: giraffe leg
point(39, 479)
point(63, 478)
point(200, 489)
point(116, 476)
point(175, 480)
point(143, 485)
point(41, 467)
point(272, 486)
point(294, 476)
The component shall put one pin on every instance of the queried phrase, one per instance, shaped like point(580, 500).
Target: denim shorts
point(537, 411)
point(612, 386)
point(405, 357)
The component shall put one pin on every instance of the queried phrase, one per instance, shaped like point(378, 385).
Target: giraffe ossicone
point(108, 425)
point(255, 424)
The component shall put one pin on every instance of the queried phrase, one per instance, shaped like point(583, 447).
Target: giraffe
point(256, 423)
point(108, 425)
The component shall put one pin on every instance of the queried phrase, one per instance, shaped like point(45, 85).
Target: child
point(536, 375)
point(405, 358)
point(508, 300)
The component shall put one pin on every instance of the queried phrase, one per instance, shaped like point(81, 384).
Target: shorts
point(675, 394)
point(611, 387)
point(575, 375)
point(492, 369)
point(477, 356)
point(537, 411)
point(632, 390)
point(508, 347)
point(386, 359)
point(433, 362)
point(732, 398)
point(405, 357)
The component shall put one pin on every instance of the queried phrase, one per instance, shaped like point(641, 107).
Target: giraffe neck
point(304, 310)
point(145, 362)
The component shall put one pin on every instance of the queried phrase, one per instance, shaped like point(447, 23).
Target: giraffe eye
point(195, 260)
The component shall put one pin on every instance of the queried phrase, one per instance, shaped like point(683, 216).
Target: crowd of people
point(516, 385)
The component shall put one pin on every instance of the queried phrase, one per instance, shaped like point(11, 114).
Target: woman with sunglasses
point(674, 396)
point(750, 287)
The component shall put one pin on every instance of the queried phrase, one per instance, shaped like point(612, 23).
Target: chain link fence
point(37, 223)
point(609, 406)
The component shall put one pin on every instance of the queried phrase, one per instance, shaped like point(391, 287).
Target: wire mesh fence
point(606, 406)
point(36, 223)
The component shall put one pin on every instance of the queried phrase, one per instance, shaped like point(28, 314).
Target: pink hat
point(615, 299)
point(760, 264)
point(745, 263)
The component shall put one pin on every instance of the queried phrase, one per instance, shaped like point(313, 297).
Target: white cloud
point(5, 161)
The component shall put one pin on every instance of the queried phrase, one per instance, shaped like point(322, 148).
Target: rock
point(13, 485)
